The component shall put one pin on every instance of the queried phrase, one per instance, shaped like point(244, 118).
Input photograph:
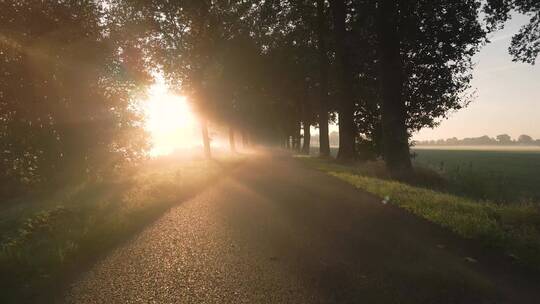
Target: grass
point(45, 240)
point(512, 228)
point(508, 175)
point(500, 176)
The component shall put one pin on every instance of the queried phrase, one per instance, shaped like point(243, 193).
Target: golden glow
point(170, 121)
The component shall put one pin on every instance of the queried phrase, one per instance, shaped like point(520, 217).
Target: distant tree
point(525, 139)
point(452, 141)
point(486, 140)
point(471, 141)
point(504, 139)
point(334, 139)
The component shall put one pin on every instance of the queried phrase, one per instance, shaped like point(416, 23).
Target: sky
point(507, 94)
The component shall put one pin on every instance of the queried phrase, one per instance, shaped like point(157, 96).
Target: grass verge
point(44, 242)
point(513, 229)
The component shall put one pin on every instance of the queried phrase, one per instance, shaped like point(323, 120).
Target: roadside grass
point(45, 241)
point(512, 228)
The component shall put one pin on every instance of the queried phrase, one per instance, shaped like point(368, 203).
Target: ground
point(275, 231)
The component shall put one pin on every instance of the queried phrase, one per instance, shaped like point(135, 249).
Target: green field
point(499, 176)
point(503, 175)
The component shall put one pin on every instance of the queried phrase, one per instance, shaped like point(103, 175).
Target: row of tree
point(70, 71)
point(502, 140)
point(333, 139)
point(386, 68)
point(382, 69)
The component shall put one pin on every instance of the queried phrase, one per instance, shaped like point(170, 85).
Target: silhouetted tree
point(525, 139)
point(504, 139)
point(344, 82)
point(525, 44)
point(186, 41)
point(322, 48)
point(67, 90)
point(393, 110)
point(390, 71)
point(430, 65)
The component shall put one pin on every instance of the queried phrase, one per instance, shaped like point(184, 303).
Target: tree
point(406, 48)
point(291, 43)
point(504, 139)
point(322, 26)
point(299, 44)
point(345, 95)
point(184, 39)
point(525, 45)
point(525, 139)
point(67, 92)
point(395, 137)
point(334, 139)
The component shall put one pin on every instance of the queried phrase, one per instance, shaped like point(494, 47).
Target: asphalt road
point(275, 231)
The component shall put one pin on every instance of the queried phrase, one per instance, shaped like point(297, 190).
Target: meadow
point(502, 176)
point(494, 173)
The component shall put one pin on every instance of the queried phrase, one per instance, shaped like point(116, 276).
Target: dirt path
point(276, 232)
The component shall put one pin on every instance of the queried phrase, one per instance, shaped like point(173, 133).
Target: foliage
point(65, 95)
point(198, 43)
point(525, 45)
point(437, 59)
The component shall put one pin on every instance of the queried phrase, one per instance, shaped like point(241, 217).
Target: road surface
point(275, 231)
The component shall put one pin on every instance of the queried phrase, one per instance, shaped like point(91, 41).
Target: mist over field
point(479, 148)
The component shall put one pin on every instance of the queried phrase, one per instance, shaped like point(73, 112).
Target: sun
point(170, 121)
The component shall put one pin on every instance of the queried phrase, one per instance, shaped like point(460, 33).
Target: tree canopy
point(525, 45)
point(65, 94)
point(267, 69)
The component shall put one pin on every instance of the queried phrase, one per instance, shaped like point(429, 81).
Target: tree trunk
point(232, 142)
point(298, 136)
point(347, 130)
point(324, 141)
point(394, 130)
point(206, 139)
point(307, 138)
